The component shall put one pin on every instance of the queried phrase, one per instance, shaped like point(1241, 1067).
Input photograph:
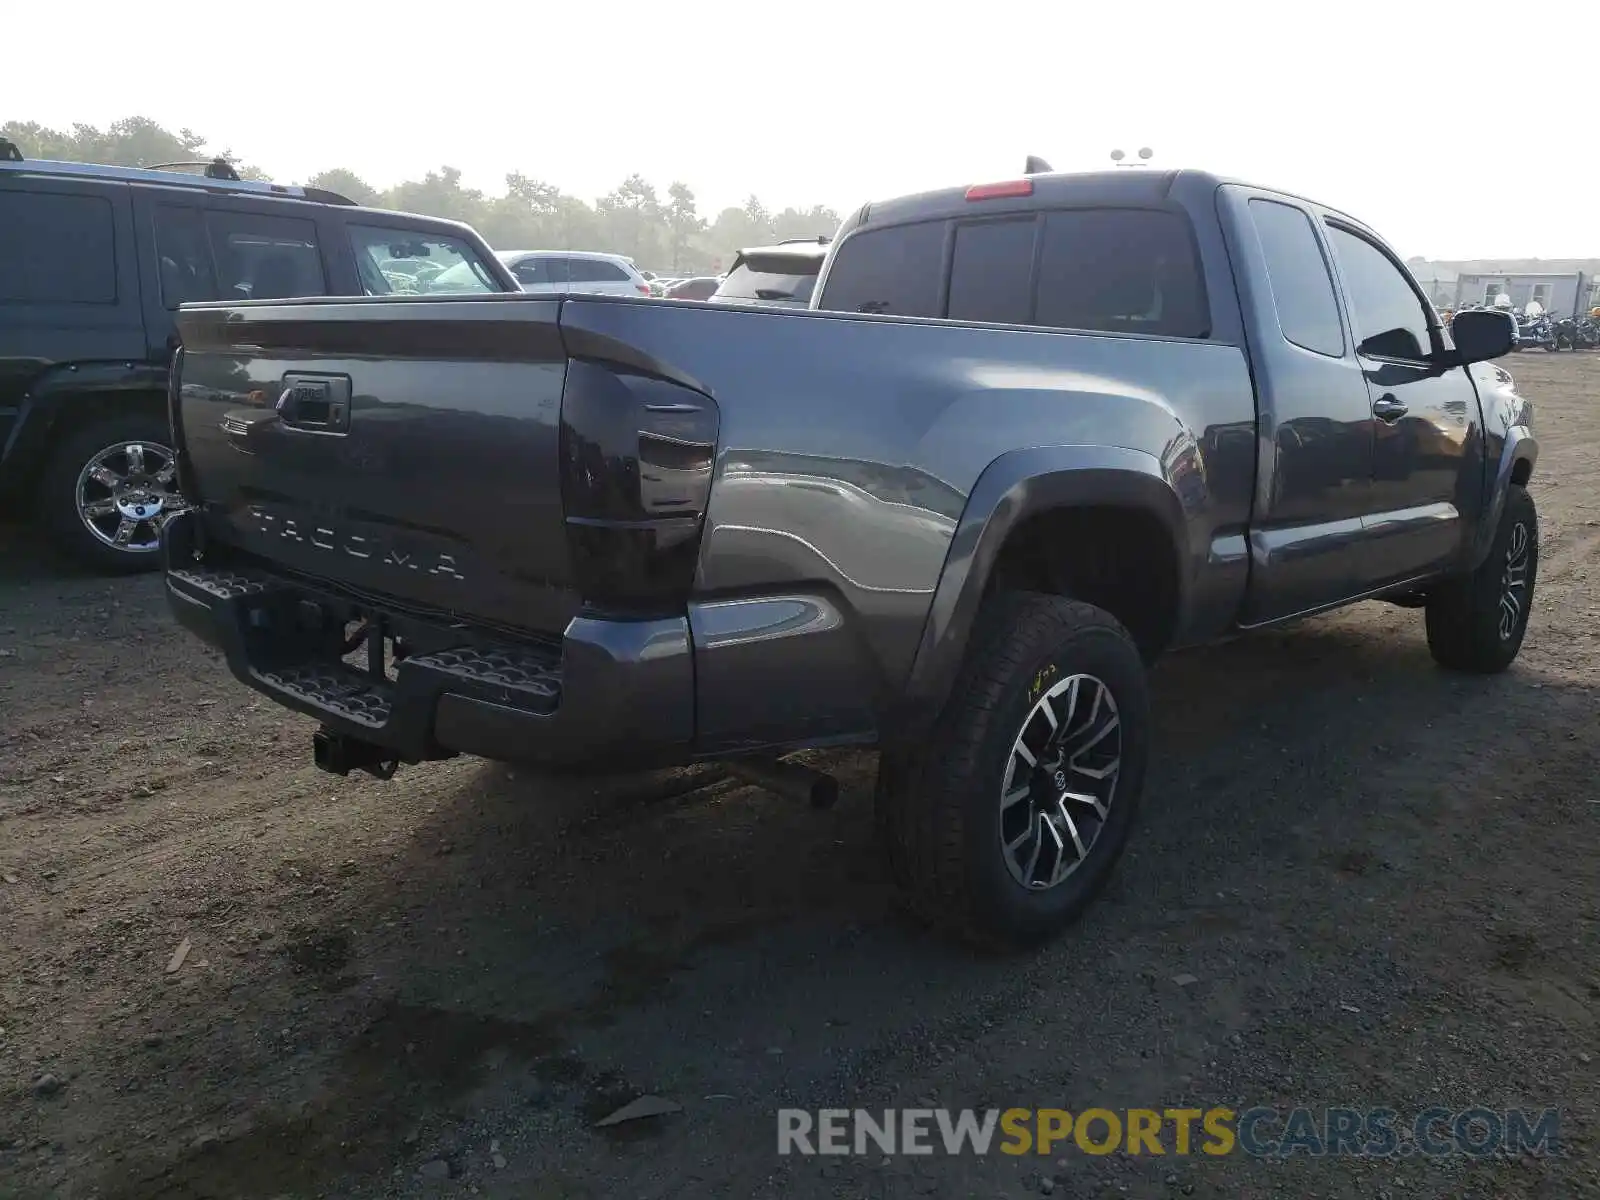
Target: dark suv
point(93, 261)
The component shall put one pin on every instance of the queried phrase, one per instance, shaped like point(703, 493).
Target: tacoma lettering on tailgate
point(325, 537)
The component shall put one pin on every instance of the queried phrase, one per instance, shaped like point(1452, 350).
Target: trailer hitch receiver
point(340, 754)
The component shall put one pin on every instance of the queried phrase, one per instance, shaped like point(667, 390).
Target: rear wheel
point(1477, 623)
point(107, 489)
point(1012, 819)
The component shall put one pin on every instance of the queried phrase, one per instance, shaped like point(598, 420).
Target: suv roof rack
point(217, 168)
point(219, 175)
point(820, 239)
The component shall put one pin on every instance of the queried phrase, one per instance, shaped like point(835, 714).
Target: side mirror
point(1482, 334)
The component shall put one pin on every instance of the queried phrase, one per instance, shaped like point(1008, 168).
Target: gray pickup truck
point(1029, 436)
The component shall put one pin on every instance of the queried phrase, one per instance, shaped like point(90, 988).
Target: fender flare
point(1519, 446)
point(55, 390)
point(1018, 485)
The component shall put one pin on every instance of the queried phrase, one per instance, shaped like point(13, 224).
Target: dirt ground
point(1382, 878)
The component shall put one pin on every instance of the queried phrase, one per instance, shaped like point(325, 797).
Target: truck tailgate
point(407, 450)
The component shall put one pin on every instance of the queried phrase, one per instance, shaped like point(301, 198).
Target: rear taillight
point(1000, 191)
point(644, 288)
point(637, 454)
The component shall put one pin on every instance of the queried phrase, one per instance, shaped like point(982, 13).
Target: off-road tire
point(939, 806)
point(57, 503)
point(1464, 615)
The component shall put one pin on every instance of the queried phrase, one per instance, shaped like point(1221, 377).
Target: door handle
point(1387, 408)
point(315, 404)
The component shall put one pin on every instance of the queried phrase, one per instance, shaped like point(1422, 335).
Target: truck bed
point(515, 464)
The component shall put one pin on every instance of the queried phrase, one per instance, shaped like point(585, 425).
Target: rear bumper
point(619, 692)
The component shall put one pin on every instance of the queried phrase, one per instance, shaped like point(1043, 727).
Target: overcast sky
point(1456, 129)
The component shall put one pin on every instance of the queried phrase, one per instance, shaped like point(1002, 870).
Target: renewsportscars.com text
point(1259, 1132)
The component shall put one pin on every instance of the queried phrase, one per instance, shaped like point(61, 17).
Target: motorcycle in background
point(1536, 330)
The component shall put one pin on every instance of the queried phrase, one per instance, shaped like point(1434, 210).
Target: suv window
point(991, 276)
point(402, 262)
point(532, 270)
point(1381, 298)
point(1302, 289)
point(772, 277)
point(896, 269)
point(265, 258)
point(1120, 271)
point(594, 270)
point(57, 248)
point(185, 262)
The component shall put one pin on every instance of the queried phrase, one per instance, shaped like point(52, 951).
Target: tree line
point(660, 232)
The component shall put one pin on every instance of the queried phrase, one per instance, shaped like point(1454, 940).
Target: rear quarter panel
point(850, 445)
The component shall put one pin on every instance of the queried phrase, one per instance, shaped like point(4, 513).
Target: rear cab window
point(772, 277)
point(894, 269)
point(1110, 270)
point(408, 262)
point(1116, 270)
point(991, 271)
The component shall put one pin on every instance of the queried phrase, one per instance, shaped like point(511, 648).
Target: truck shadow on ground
point(567, 945)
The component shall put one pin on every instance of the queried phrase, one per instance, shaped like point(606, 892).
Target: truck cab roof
point(1123, 187)
point(1026, 192)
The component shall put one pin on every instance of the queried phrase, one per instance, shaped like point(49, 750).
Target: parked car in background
point(782, 274)
point(700, 287)
point(93, 262)
point(570, 271)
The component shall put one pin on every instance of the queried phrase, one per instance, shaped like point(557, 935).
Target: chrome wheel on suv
point(1060, 781)
point(124, 491)
point(107, 488)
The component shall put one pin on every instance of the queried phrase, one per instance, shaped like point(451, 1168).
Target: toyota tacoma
point(1030, 435)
